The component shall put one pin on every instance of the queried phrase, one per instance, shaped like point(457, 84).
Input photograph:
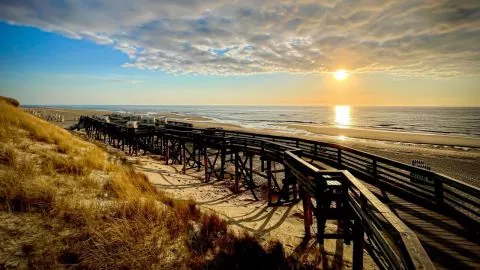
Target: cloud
point(436, 38)
point(121, 80)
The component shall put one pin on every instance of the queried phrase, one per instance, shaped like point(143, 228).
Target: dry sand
point(243, 213)
point(71, 115)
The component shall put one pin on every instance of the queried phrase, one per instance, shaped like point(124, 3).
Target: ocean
point(454, 121)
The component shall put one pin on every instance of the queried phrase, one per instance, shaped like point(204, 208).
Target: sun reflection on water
point(342, 116)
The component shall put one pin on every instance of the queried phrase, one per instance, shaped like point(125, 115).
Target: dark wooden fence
point(454, 196)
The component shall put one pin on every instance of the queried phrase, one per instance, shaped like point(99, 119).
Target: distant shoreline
point(393, 136)
point(334, 132)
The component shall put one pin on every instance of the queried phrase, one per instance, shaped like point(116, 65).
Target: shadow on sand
point(260, 222)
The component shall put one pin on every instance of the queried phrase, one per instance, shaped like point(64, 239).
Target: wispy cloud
point(412, 38)
point(122, 80)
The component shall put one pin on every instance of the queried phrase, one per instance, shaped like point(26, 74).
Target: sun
point(340, 74)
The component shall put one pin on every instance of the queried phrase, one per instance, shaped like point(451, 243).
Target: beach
point(459, 162)
point(454, 156)
point(285, 223)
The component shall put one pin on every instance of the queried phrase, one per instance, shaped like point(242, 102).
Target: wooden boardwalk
point(447, 242)
point(415, 221)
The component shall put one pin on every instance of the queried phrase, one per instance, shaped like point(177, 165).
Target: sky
point(250, 52)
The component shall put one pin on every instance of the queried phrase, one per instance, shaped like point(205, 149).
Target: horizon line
point(257, 105)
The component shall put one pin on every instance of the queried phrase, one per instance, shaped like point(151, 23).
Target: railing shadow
point(262, 214)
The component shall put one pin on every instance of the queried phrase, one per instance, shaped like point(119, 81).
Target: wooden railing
point(459, 198)
point(390, 242)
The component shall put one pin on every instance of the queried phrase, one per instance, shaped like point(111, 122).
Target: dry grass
point(20, 192)
point(53, 164)
point(98, 213)
point(8, 155)
point(126, 183)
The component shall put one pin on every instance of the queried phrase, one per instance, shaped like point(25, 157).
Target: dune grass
point(8, 155)
point(10, 101)
point(96, 213)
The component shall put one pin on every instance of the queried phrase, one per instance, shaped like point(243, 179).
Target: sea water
point(455, 121)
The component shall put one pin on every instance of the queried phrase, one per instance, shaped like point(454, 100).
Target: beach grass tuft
point(8, 155)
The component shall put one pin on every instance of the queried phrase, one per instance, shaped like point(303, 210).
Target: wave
point(284, 121)
point(448, 121)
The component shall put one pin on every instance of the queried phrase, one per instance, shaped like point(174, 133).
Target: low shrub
point(212, 231)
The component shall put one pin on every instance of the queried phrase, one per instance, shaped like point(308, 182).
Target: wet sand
point(392, 136)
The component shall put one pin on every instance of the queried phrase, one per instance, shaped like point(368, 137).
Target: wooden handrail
point(416, 255)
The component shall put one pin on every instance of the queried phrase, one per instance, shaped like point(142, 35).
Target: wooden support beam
point(269, 180)
point(307, 211)
point(237, 172)
point(358, 243)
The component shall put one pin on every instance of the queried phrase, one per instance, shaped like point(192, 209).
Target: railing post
point(339, 156)
point(205, 163)
point(237, 172)
point(307, 211)
point(269, 180)
point(184, 167)
point(167, 151)
point(262, 161)
point(358, 241)
point(222, 158)
point(438, 189)
point(320, 211)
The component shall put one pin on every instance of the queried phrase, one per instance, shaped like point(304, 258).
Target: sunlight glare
point(342, 116)
point(341, 74)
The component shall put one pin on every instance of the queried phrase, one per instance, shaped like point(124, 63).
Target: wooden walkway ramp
point(447, 242)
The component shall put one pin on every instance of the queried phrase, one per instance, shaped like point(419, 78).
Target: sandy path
point(243, 213)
